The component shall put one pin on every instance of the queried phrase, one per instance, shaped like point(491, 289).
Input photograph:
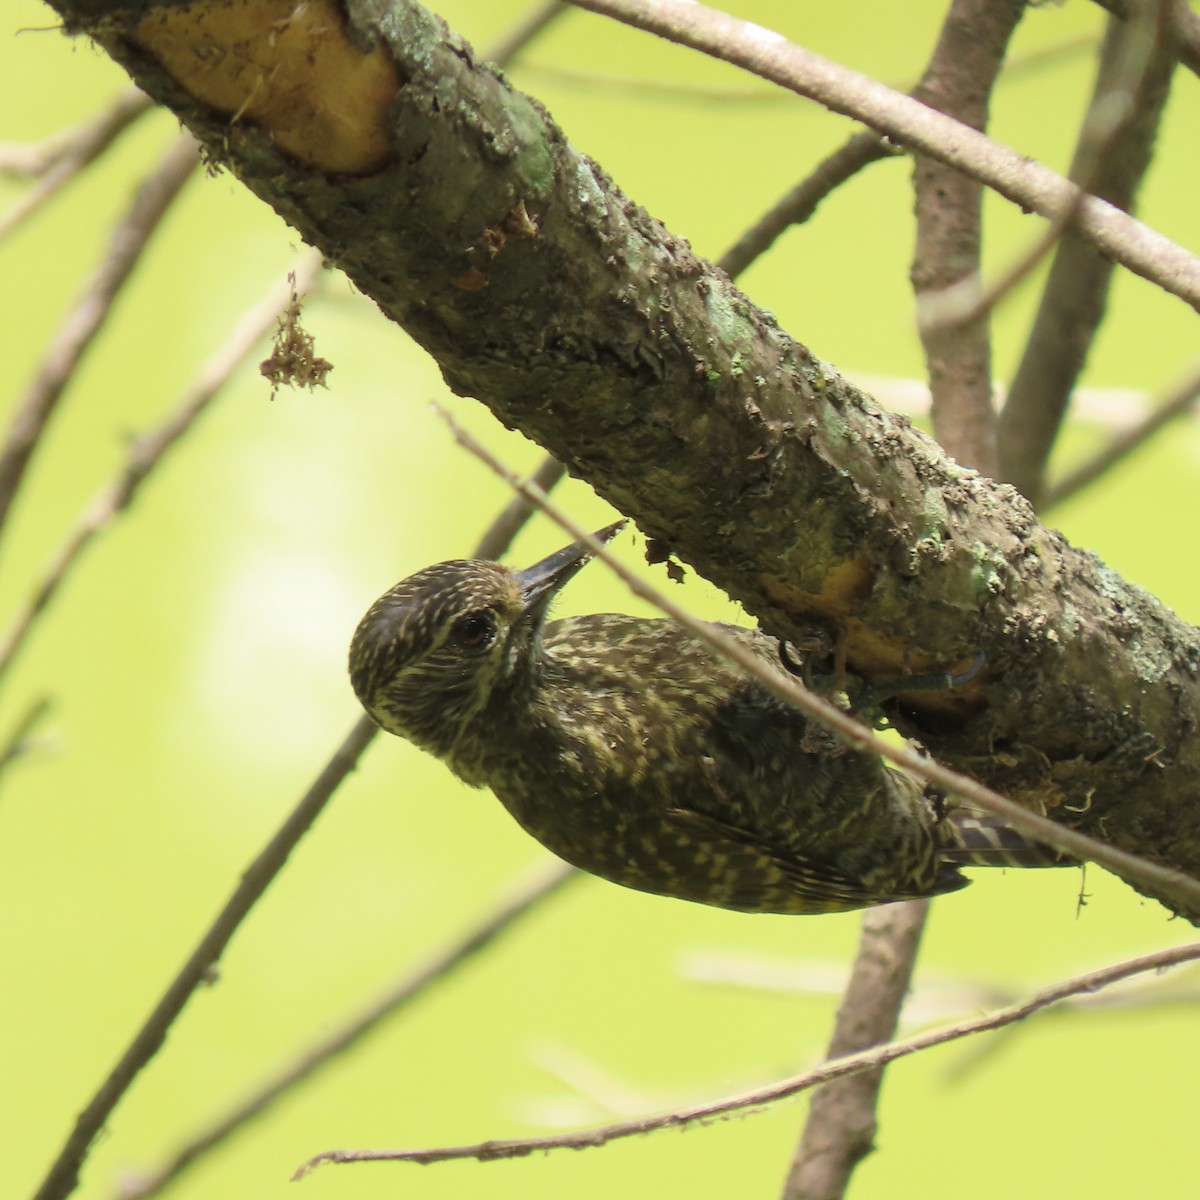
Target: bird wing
point(763, 878)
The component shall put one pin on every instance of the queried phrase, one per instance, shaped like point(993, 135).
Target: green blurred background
point(197, 667)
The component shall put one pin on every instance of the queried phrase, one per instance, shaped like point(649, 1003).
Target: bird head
point(432, 651)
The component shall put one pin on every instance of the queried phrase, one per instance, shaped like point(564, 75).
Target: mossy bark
point(456, 203)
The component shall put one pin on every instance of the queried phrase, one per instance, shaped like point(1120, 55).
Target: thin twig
point(1144, 996)
point(527, 28)
point(799, 204)
point(1075, 295)
point(840, 1128)
point(528, 895)
point(58, 160)
point(1028, 184)
point(1030, 63)
point(644, 87)
point(757, 1098)
point(147, 452)
point(1128, 61)
point(959, 81)
point(859, 151)
point(18, 741)
point(1179, 889)
point(63, 1176)
point(1178, 401)
point(1183, 25)
point(87, 316)
point(515, 514)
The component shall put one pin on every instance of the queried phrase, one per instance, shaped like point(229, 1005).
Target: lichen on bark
point(543, 291)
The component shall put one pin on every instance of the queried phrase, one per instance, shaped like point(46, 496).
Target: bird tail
point(977, 840)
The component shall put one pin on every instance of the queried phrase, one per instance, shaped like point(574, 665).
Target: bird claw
point(873, 695)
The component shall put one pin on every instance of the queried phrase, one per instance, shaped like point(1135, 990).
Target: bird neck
point(485, 736)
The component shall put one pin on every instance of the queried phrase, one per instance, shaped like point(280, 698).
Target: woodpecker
point(630, 748)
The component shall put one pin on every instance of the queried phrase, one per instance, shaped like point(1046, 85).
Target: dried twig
point(86, 318)
point(63, 1176)
point(1029, 184)
point(1023, 65)
point(857, 152)
point(1179, 400)
point(1182, 23)
point(529, 894)
point(757, 1098)
point(55, 162)
point(507, 50)
point(801, 201)
point(147, 452)
point(840, 1128)
point(18, 742)
point(1111, 162)
point(1131, 53)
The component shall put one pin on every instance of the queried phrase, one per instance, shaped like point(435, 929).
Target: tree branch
point(148, 451)
point(87, 316)
point(1173, 887)
point(56, 162)
point(840, 1128)
point(841, 1124)
point(530, 894)
point(1178, 401)
point(959, 82)
point(801, 201)
point(63, 1176)
point(873, 1059)
point(1183, 25)
point(905, 120)
point(459, 207)
point(1075, 296)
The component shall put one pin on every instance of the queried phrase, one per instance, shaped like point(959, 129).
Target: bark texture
point(459, 207)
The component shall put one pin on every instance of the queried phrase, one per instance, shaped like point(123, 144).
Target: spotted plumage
point(630, 748)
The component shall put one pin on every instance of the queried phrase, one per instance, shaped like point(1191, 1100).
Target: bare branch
point(147, 452)
point(87, 316)
point(1179, 400)
point(801, 201)
point(959, 82)
point(907, 121)
point(1130, 90)
point(840, 1129)
point(63, 1176)
point(57, 161)
point(1183, 25)
point(18, 742)
point(1111, 158)
point(529, 895)
point(756, 1098)
point(525, 30)
point(1030, 63)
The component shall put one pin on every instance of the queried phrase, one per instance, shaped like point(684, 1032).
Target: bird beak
point(539, 582)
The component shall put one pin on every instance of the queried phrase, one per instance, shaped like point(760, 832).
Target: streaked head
point(430, 652)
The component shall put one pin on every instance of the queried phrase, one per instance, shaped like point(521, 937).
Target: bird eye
point(475, 631)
